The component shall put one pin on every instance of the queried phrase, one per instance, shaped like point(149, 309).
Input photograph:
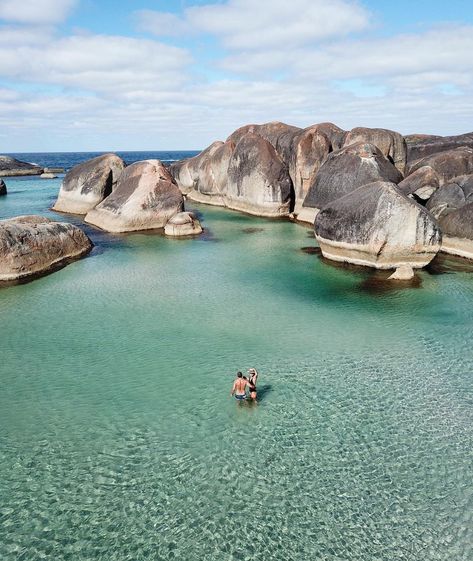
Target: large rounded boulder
point(145, 197)
point(10, 167)
point(457, 230)
point(31, 246)
point(258, 179)
point(422, 183)
point(377, 226)
point(343, 172)
point(451, 196)
point(183, 224)
point(391, 143)
point(87, 184)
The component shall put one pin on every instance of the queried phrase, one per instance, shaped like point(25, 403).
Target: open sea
point(118, 437)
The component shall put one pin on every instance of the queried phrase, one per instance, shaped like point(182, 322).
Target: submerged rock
point(347, 170)
point(3, 188)
point(10, 167)
point(391, 144)
point(376, 225)
point(183, 224)
point(145, 197)
point(457, 230)
point(404, 272)
point(33, 245)
point(87, 184)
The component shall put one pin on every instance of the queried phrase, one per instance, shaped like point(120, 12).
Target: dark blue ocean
point(67, 160)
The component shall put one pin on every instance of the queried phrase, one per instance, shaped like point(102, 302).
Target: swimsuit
point(240, 396)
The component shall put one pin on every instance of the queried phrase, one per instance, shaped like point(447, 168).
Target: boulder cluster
point(375, 197)
point(117, 198)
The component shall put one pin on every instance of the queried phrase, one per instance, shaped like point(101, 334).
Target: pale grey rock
point(48, 175)
point(87, 184)
point(10, 167)
point(33, 245)
point(145, 197)
point(457, 229)
point(258, 179)
point(183, 224)
point(391, 144)
point(346, 170)
point(404, 272)
point(377, 226)
point(422, 145)
point(451, 196)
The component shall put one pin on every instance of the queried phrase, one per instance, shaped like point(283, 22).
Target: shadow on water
point(263, 390)
point(252, 230)
point(444, 264)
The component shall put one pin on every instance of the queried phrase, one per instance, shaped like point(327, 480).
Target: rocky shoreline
point(373, 197)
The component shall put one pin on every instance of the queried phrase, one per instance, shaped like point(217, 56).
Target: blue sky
point(110, 75)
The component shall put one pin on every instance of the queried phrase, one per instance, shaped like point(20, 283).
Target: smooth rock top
point(34, 245)
point(378, 226)
point(391, 144)
point(10, 167)
point(87, 184)
point(3, 187)
point(422, 145)
point(346, 170)
point(145, 197)
point(449, 164)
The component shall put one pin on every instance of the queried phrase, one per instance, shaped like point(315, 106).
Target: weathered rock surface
point(145, 197)
point(422, 183)
point(448, 164)
point(3, 188)
point(183, 224)
point(457, 229)
point(48, 175)
point(34, 245)
point(10, 167)
point(391, 144)
point(421, 145)
point(87, 184)
point(346, 170)
point(404, 272)
point(376, 225)
point(451, 196)
point(258, 179)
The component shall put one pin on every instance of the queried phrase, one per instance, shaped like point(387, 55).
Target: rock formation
point(451, 196)
point(364, 227)
point(422, 183)
point(183, 224)
point(258, 179)
point(420, 146)
point(391, 144)
point(48, 175)
point(33, 245)
point(344, 171)
point(10, 167)
point(457, 230)
point(449, 164)
point(87, 184)
point(145, 197)
point(3, 188)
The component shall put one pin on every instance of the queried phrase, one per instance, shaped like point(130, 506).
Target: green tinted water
point(119, 440)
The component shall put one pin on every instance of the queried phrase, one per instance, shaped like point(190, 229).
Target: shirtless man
point(239, 387)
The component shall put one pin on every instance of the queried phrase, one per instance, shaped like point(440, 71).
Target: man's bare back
point(239, 387)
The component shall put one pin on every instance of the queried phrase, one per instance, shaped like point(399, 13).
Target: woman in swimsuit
point(252, 383)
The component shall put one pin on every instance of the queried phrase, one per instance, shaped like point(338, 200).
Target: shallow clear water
point(119, 441)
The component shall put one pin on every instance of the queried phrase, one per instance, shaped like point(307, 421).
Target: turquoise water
point(119, 441)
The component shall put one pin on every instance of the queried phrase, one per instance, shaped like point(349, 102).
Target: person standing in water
point(252, 379)
point(239, 387)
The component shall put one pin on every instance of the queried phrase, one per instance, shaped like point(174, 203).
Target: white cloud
point(248, 25)
point(99, 63)
point(36, 12)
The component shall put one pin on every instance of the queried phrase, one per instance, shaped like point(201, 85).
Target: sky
point(85, 75)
